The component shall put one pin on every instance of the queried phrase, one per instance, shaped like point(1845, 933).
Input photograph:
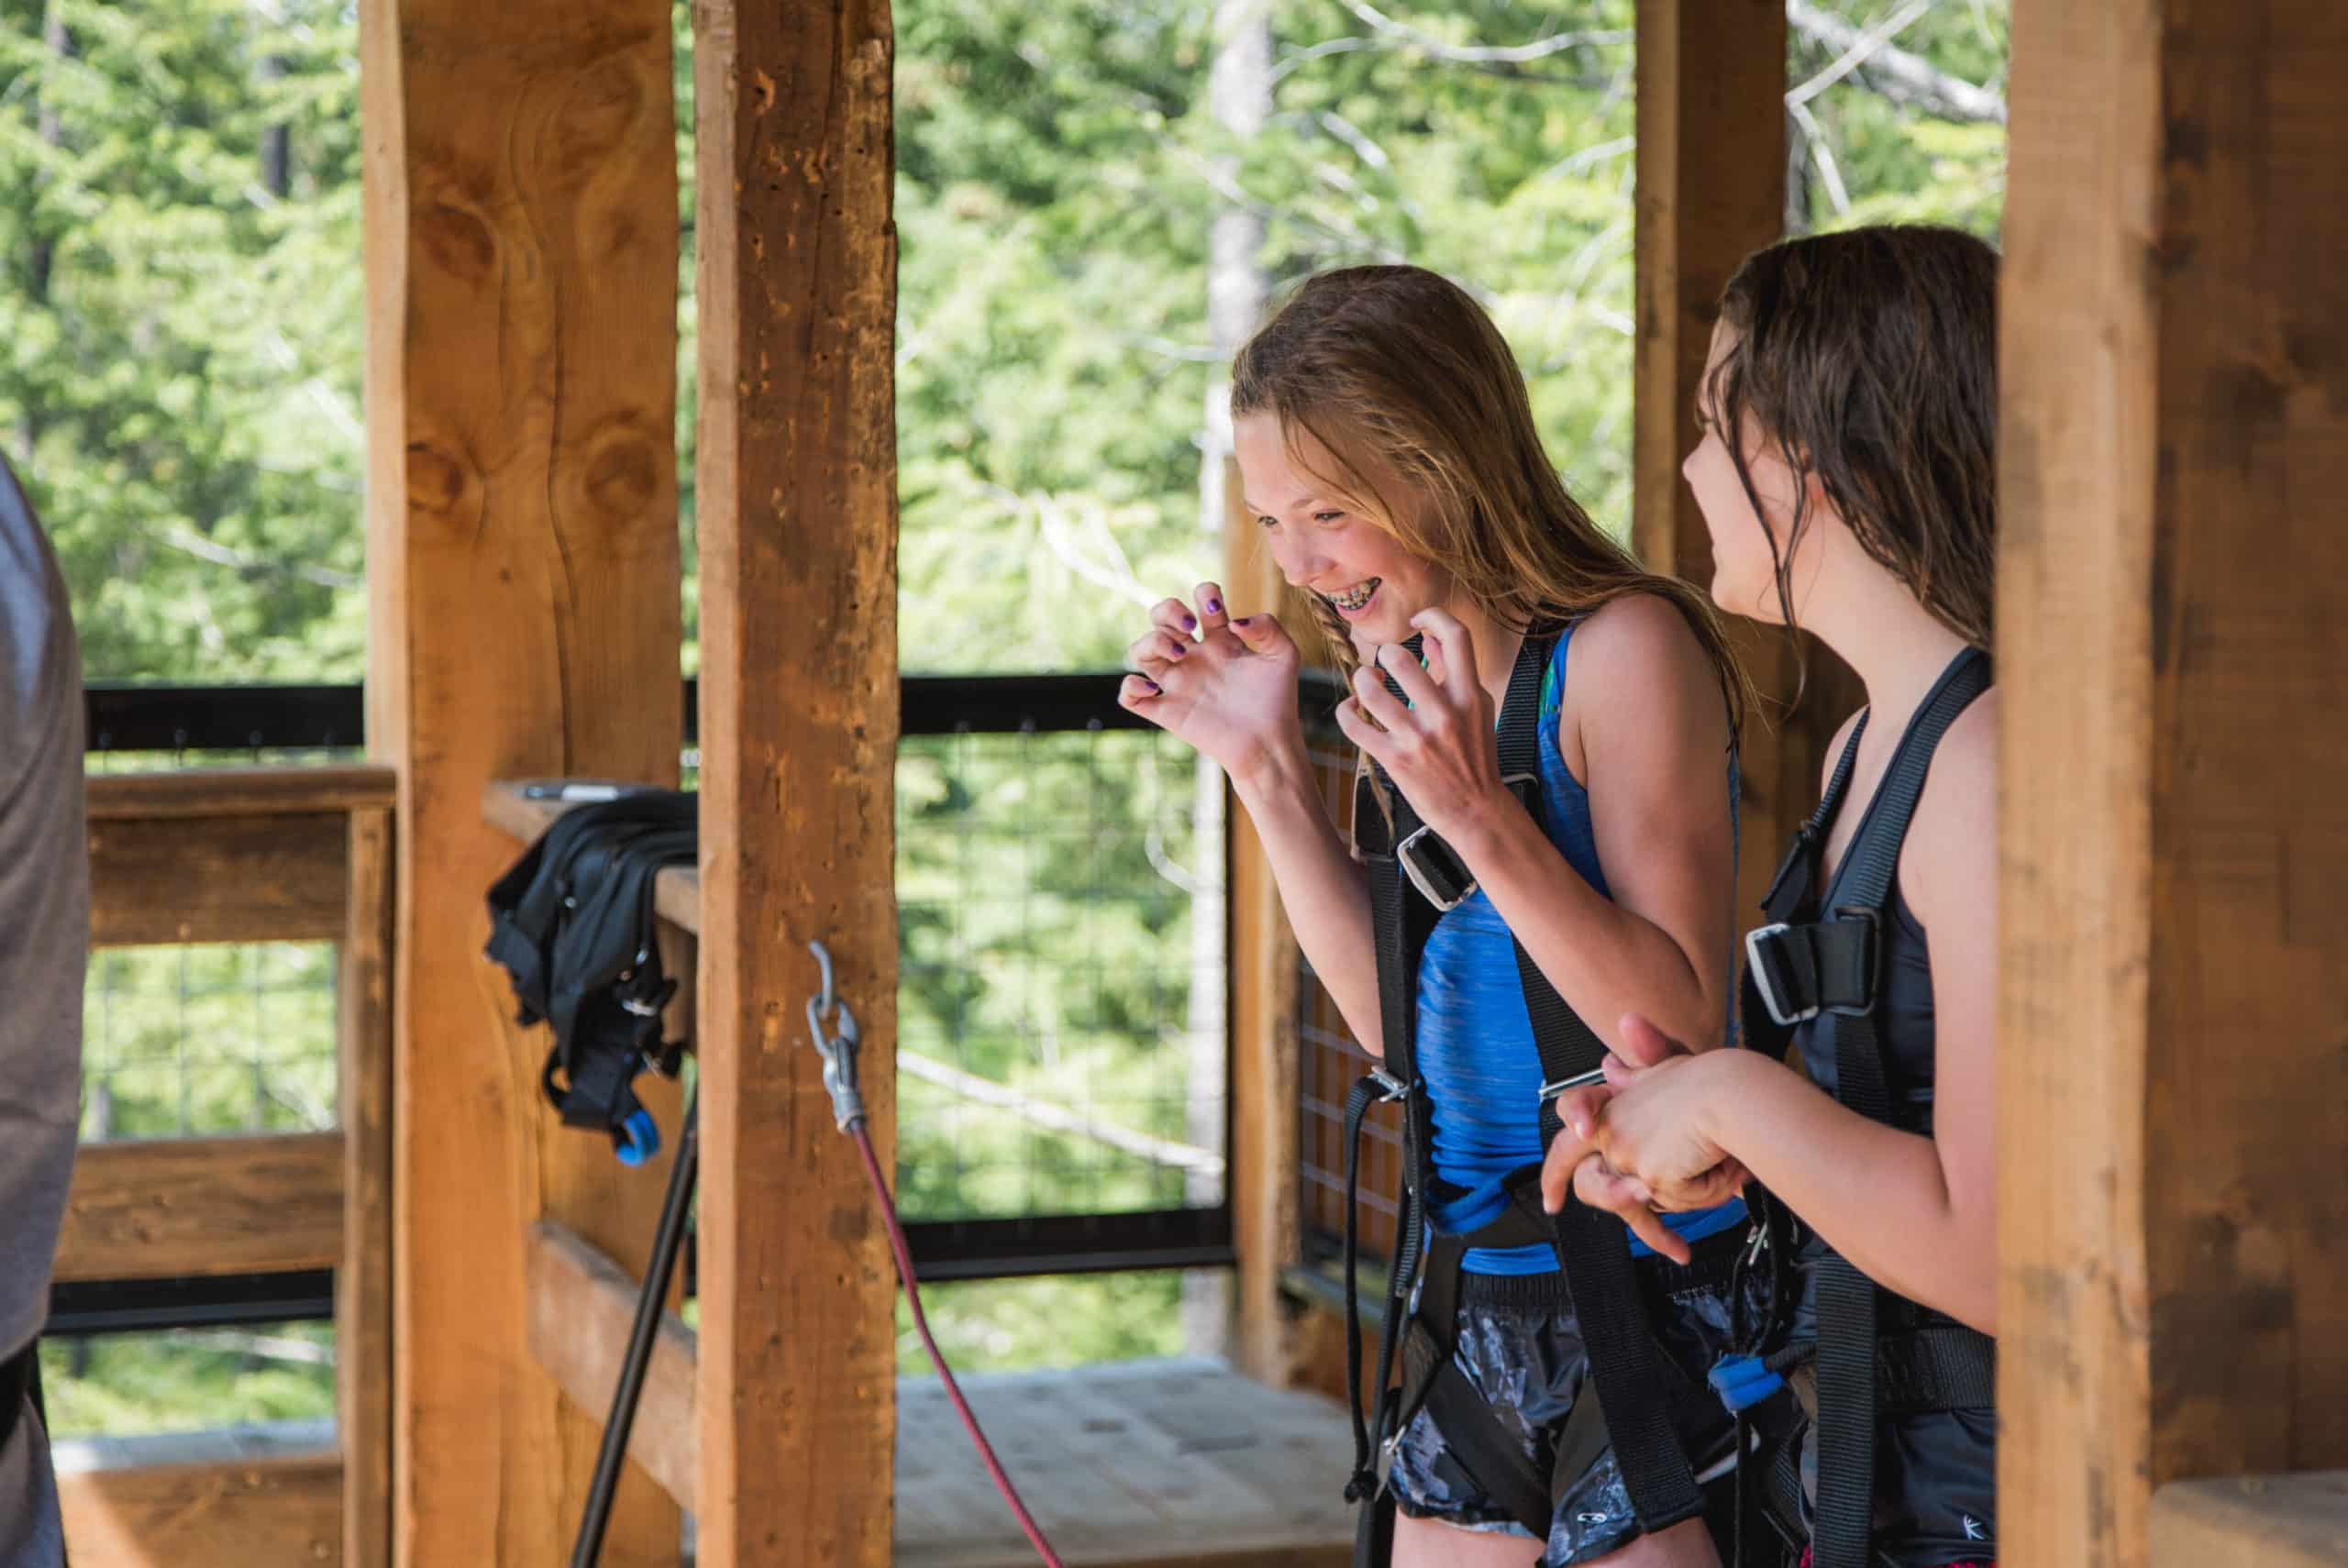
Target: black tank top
point(1935, 1497)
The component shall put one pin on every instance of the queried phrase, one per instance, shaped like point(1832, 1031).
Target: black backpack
point(572, 922)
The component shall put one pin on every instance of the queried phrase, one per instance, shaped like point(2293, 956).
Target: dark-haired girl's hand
point(1227, 687)
point(1654, 1123)
point(1436, 745)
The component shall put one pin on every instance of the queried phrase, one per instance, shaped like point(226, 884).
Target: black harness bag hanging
point(572, 922)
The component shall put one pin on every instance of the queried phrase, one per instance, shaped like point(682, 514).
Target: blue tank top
point(1475, 1039)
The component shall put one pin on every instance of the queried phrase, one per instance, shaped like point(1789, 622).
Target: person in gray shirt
point(44, 949)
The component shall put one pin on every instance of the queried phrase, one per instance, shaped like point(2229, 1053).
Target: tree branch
point(1894, 72)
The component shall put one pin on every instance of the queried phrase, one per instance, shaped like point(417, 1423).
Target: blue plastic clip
point(637, 1139)
point(1743, 1381)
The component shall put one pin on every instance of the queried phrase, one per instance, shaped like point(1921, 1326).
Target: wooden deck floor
point(1169, 1463)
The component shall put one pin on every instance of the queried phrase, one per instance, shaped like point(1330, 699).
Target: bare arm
point(1323, 888)
point(1916, 1213)
point(1652, 733)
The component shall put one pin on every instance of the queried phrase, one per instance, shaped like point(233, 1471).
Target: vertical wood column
point(521, 213)
point(2174, 583)
point(1267, 1223)
point(798, 529)
point(1711, 179)
point(363, 1284)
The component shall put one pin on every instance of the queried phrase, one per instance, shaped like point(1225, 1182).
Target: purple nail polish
point(1179, 649)
point(1215, 606)
point(1242, 620)
point(1151, 684)
point(1189, 619)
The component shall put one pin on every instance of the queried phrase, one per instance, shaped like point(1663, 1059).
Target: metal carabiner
point(836, 1044)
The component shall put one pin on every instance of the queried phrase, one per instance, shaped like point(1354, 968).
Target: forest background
point(1095, 198)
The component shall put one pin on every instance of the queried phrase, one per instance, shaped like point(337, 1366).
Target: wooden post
point(2173, 1091)
point(526, 597)
point(1266, 1219)
point(1711, 179)
point(797, 498)
point(362, 1283)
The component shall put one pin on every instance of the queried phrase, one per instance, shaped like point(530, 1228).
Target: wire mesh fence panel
point(1059, 1033)
point(1332, 1061)
point(208, 1038)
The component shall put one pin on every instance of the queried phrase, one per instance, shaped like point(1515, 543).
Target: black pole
point(648, 1306)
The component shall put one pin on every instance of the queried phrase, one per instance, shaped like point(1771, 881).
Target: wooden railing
point(253, 855)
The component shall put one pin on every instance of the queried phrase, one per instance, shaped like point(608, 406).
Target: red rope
point(945, 1373)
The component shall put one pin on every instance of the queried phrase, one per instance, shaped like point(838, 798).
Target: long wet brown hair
point(1868, 358)
point(1399, 366)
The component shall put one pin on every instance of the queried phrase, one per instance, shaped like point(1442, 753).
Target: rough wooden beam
point(2173, 967)
point(241, 793)
point(521, 255)
point(797, 514)
point(1267, 1224)
point(2253, 1521)
point(245, 1512)
point(582, 1306)
point(1712, 176)
point(362, 1283)
point(234, 878)
point(148, 1209)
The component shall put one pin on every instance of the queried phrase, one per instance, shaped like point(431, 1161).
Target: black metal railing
point(1049, 1120)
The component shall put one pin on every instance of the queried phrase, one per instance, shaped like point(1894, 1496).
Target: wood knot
point(436, 480)
point(457, 240)
point(623, 474)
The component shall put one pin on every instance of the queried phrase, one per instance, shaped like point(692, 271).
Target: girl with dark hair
point(1385, 443)
point(1847, 476)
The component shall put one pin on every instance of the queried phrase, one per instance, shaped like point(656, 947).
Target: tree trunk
point(1239, 96)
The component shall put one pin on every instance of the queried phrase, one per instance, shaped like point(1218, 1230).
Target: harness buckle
point(1435, 869)
point(1870, 958)
point(1393, 1087)
point(1758, 961)
point(1550, 1091)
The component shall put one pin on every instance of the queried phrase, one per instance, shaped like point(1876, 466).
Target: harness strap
point(1847, 1299)
point(1627, 1373)
point(1625, 1367)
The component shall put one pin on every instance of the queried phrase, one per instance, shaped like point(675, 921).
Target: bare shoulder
point(1952, 852)
point(1638, 678)
point(1629, 649)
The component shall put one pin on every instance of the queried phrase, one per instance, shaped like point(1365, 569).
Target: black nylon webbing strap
point(1847, 1299)
point(1791, 895)
point(1593, 1249)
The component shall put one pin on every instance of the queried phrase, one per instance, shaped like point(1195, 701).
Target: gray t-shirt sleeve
point(44, 950)
point(44, 910)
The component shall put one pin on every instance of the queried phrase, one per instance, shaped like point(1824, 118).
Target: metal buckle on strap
point(1757, 956)
point(1394, 1088)
point(1550, 1091)
point(1448, 886)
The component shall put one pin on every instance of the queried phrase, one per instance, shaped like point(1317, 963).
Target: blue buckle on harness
point(1743, 1381)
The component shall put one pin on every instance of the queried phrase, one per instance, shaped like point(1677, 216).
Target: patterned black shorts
point(1520, 1346)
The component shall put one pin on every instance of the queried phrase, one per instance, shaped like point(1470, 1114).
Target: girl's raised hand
point(1437, 744)
point(1227, 687)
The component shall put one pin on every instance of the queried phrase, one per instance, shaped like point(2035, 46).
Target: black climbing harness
point(573, 922)
point(1413, 877)
point(1877, 1356)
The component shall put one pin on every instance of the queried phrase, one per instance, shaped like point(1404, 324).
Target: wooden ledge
point(676, 892)
point(241, 793)
point(2253, 1521)
point(146, 1208)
